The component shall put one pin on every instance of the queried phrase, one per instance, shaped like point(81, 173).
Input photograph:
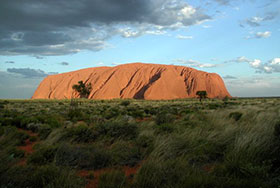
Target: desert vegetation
point(140, 144)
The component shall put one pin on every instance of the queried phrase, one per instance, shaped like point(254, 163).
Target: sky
point(238, 39)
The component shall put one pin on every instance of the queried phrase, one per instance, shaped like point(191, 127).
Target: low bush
point(42, 156)
point(125, 154)
point(33, 138)
point(44, 176)
point(125, 103)
point(44, 131)
point(82, 157)
point(75, 114)
point(277, 130)
point(162, 118)
point(81, 133)
point(164, 128)
point(135, 112)
point(112, 179)
point(15, 153)
point(171, 173)
point(235, 115)
point(117, 129)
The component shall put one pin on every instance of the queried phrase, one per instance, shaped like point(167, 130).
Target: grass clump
point(81, 133)
point(235, 115)
point(82, 157)
point(112, 179)
point(42, 156)
point(44, 176)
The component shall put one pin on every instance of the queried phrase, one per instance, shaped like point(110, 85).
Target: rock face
point(136, 80)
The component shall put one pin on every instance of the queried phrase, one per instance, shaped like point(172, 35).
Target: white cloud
point(206, 26)
point(184, 37)
point(99, 63)
point(259, 35)
point(241, 59)
point(265, 34)
point(254, 21)
point(271, 66)
point(198, 64)
point(255, 63)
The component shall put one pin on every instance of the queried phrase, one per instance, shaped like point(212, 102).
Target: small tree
point(201, 95)
point(83, 89)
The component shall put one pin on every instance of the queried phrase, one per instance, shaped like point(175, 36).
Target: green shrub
point(277, 130)
point(42, 156)
point(16, 153)
point(213, 106)
point(21, 137)
point(125, 103)
point(164, 128)
point(135, 112)
point(75, 114)
point(171, 173)
point(81, 133)
point(112, 179)
point(162, 118)
point(28, 120)
point(43, 176)
point(124, 153)
point(44, 131)
point(33, 138)
point(1, 131)
point(235, 115)
point(150, 110)
point(117, 129)
point(111, 113)
point(82, 157)
point(145, 144)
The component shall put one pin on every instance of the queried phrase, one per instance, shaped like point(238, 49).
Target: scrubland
point(140, 144)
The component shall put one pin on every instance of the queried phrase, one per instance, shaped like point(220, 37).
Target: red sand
point(28, 146)
point(135, 80)
point(93, 183)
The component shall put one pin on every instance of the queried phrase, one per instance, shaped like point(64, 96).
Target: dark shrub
point(43, 155)
point(1, 131)
point(162, 174)
point(33, 138)
point(111, 113)
point(75, 114)
point(21, 137)
point(125, 103)
point(118, 129)
point(112, 179)
point(164, 128)
point(53, 121)
point(277, 130)
point(124, 153)
point(16, 153)
point(150, 110)
point(235, 115)
point(28, 120)
point(82, 157)
point(214, 106)
point(6, 121)
point(44, 131)
point(162, 118)
point(135, 112)
point(81, 133)
point(44, 176)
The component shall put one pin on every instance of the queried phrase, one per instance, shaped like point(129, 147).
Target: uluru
point(136, 81)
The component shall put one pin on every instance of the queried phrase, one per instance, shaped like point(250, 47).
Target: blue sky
point(238, 39)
